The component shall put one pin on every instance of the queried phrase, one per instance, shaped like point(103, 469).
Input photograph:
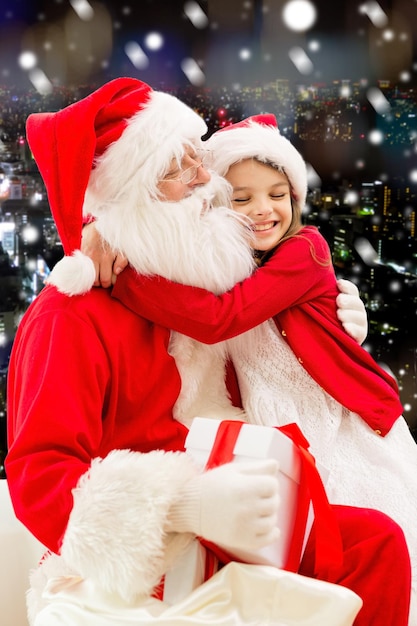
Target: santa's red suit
point(95, 455)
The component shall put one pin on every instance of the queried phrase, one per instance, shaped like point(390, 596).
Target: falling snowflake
point(193, 71)
point(299, 15)
point(83, 9)
point(136, 55)
point(245, 54)
point(375, 13)
point(376, 137)
point(154, 41)
point(196, 14)
point(301, 60)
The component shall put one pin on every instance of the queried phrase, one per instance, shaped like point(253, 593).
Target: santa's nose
point(202, 178)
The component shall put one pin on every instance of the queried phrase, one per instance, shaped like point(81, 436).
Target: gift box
point(195, 565)
point(211, 442)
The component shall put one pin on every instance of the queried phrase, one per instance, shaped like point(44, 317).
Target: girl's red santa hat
point(258, 137)
point(122, 132)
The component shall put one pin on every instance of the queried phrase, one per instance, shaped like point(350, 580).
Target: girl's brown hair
point(261, 256)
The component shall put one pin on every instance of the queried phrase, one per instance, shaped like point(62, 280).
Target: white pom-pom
point(73, 275)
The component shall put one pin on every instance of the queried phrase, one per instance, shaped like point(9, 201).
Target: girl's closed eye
point(246, 199)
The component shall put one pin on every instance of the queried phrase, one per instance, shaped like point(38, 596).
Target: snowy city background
point(340, 76)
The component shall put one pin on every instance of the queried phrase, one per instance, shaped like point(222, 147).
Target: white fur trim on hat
point(73, 275)
point(262, 142)
point(152, 137)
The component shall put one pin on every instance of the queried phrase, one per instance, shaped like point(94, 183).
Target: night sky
point(233, 42)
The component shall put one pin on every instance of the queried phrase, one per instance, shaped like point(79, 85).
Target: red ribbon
point(158, 591)
point(328, 551)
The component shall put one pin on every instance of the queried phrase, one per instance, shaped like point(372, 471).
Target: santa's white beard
point(187, 242)
point(192, 243)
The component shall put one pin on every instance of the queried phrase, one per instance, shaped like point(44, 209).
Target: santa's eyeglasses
point(187, 176)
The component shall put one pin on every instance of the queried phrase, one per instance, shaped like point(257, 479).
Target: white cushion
point(20, 552)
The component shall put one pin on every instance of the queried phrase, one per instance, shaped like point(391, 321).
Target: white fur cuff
point(115, 533)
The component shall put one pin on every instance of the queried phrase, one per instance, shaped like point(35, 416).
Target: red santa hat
point(124, 123)
point(258, 137)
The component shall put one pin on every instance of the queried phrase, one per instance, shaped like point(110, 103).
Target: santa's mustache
point(216, 192)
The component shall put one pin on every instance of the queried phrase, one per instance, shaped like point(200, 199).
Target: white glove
point(351, 311)
point(234, 505)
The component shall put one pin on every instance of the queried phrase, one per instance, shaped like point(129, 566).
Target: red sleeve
point(51, 444)
point(290, 277)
